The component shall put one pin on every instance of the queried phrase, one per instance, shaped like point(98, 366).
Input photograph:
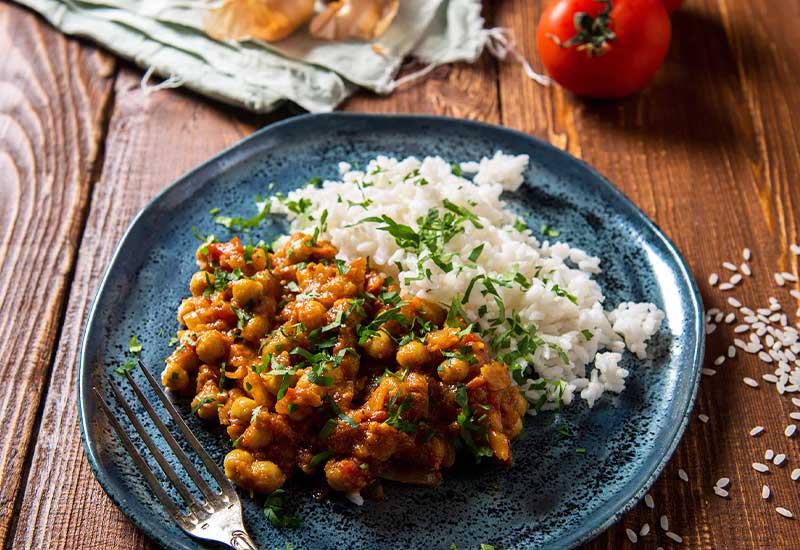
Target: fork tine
point(205, 488)
point(223, 482)
point(168, 470)
point(141, 465)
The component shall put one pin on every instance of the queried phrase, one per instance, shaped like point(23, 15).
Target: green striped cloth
point(166, 37)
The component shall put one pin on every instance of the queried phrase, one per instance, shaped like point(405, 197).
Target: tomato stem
point(594, 34)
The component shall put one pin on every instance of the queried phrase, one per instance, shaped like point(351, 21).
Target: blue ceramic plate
point(552, 497)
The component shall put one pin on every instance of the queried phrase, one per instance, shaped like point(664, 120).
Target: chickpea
point(269, 283)
point(212, 346)
point(258, 260)
point(266, 476)
point(312, 314)
point(496, 376)
point(379, 346)
point(207, 409)
point(413, 355)
point(453, 370)
point(200, 282)
point(254, 385)
point(499, 444)
point(256, 328)
point(246, 291)
point(256, 438)
point(242, 408)
point(430, 311)
point(345, 475)
point(175, 378)
point(260, 475)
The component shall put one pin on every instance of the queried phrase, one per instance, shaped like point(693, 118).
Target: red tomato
point(603, 48)
point(672, 5)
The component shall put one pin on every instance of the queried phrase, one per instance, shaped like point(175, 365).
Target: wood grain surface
point(53, 99)
point(710, 151)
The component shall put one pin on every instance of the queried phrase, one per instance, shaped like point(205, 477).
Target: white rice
point(583, 342)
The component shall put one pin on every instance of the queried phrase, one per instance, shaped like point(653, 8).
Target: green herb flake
point(587, 334)
point(202, 403)
point(547, 231)
point(275, 508)
point(456, 169)
point(476, 252)
point(320, 457)
point(134, 346)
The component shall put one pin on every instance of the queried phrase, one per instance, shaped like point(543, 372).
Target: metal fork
point(219, 516)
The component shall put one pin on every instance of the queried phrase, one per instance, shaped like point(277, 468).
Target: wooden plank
point(53, 98)
point(148, 146)
point(710, 152)
point(151, 141)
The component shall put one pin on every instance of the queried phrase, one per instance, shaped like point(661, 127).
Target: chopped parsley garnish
point(214, 211)
point(342, 266)
point(222, 278)
point(580, 450)
point(203, 402)
point(548, 231)
point(320, 457)
point(468, 426)
point(173, 340)
point(134, 346)
point(135, 349)
point(243, 317)
point(274, 509)
point(395, 411)
point(245, 224)
point(365, 332)
point(476, 252)
point(520, 225)
point(587, 334)
point(456, 169)
point(205, 240)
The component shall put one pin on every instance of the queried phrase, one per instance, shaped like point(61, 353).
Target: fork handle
point(241, 541)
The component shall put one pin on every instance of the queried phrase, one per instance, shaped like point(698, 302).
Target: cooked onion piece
point(269, 20)
point(364, 19)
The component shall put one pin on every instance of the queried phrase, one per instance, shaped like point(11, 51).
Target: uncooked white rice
point(726, 286)
point(746, 254)
point(720, 492)
point(745, 268)
point(750, 382)
point(664, 522)
point(683, 475)
point(723, 482)
point(758, 430)
point(645, 530)
point(795, 474)
point(759, 467)
point(734, 302)
point(736, 279)
point(729, 266)
point(632, 536)
point(769, 454)
point(583, 341)
point(648, 500)
point(713, 279)
point(784, 512)
point(704, 418)
point(779, 459)
point(765, 492)
point(674, 536)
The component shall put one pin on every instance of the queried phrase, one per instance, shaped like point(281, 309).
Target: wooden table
point(710, 151)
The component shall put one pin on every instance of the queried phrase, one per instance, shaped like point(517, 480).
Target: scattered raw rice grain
point(782, 511)
point(795, 294)
point(762, 468)
point(739, 329)
point(764, 356)
point(719, 360)
point(726, 286)
point(704, 418)
point(730, 318)
point(750, 382)
point(771, 378)
point(713, 279)
point(729, 266)
point(790, 430)
point(709, 372)
point(676, 537)
point(796, 401)
point(779, 279)
point(794, 415)
point(645, 530)
point(711, 328)
point(745, 268)
point(723, 482)
point(795, 475)
point(747, 311)
point(765, 492)
point(648, 500)
point(746, 254)
point(731, 352)
point(736, 279)
point(758, 430)
point(664, 521)
point(683, 475)
point(779, 459)
point(740, 343)
point(632, 536)
point(720, 492)
point(789, 277)
point(769, 454)
point(734, 302)
point(795, 249)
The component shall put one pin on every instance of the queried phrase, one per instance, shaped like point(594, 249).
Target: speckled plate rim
point(579, 536)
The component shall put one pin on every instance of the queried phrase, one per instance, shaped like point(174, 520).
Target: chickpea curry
point(317, 364)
